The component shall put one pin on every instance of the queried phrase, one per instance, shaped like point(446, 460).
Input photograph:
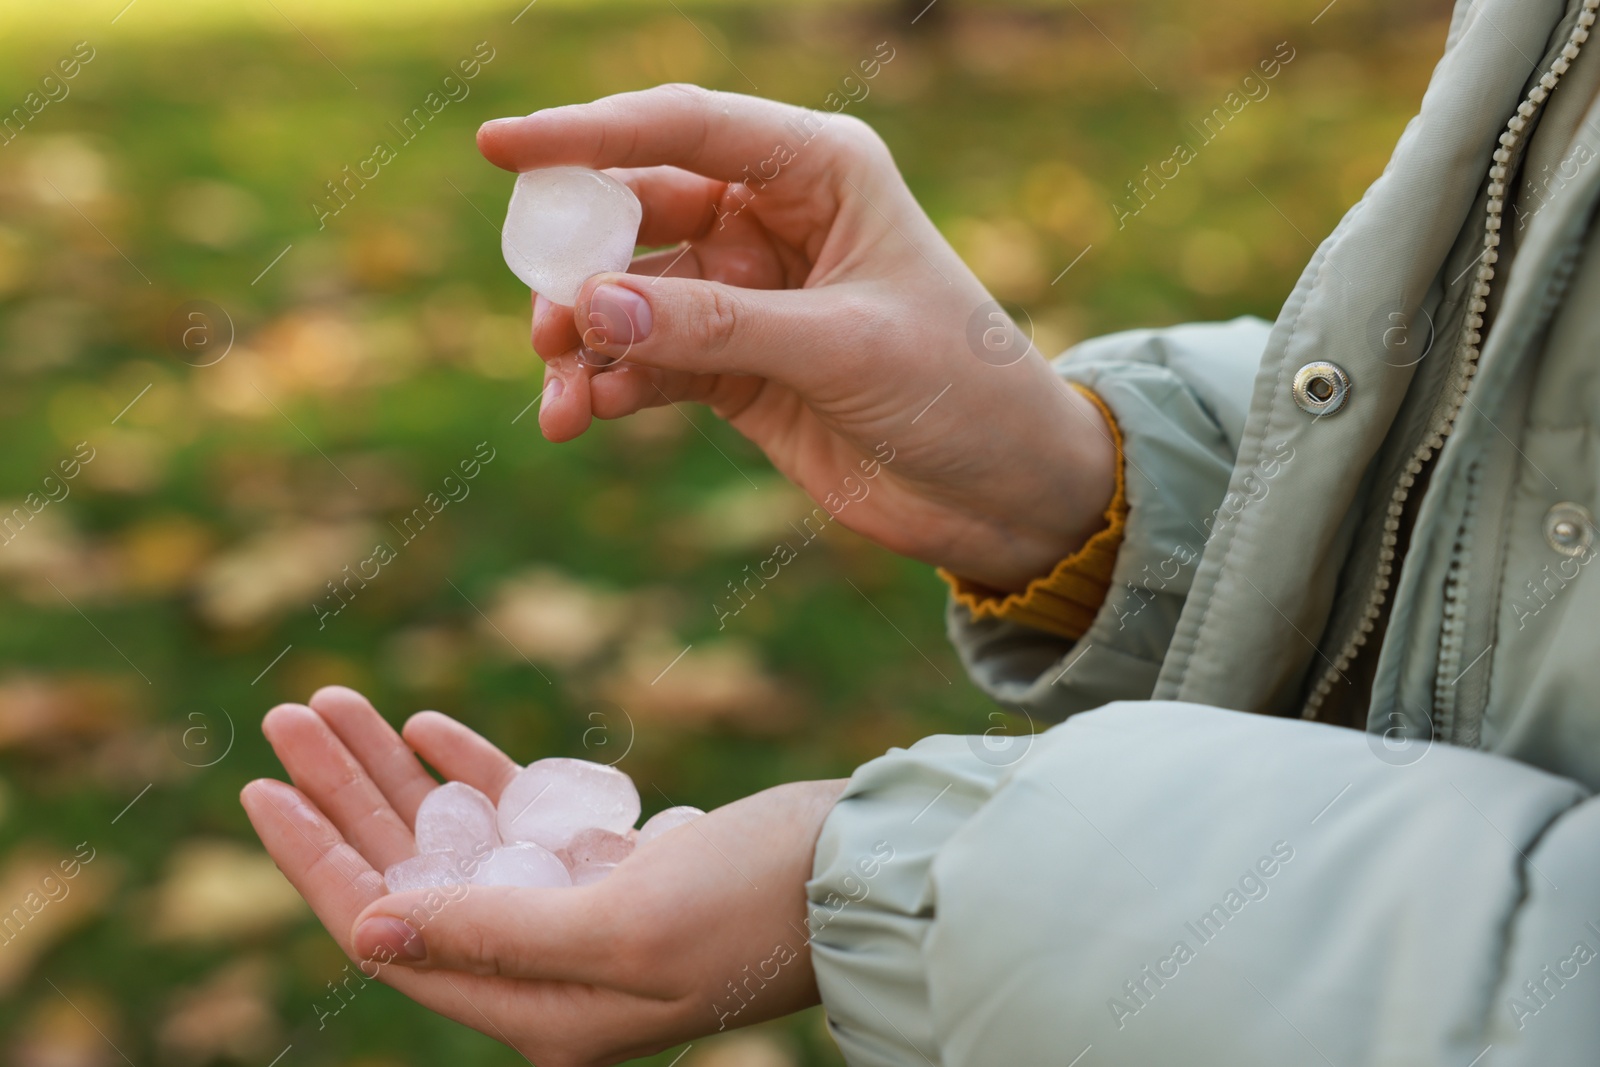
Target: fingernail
point(554, 390)
point(617, 316)
point(499, 122)
point(386, 939)
point(590, 357)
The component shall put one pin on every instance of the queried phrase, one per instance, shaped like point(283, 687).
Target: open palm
point(588, 975)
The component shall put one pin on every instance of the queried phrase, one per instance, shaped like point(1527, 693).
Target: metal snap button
point(1569, 528)
point(1321, 388)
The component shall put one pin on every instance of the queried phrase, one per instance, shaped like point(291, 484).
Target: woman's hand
point(642, 961)
point(814, 306)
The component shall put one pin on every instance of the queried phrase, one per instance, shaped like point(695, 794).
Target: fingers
point(719, 135)
point(564, 411)
point(377, 747)
point(480, 944)
point(562, 934)
point(553, 330)
point(738, 254)
point(706, 327)
point(333, 877)
point(678, 205)
point(338, 884)
point(681, 262)
point(627, 388)
point(460, 753)
point(339, 786)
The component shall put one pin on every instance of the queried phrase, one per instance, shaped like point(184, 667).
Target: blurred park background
point(159, 602)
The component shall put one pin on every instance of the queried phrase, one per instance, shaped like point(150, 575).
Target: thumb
point(706, 327)
point(557, 934)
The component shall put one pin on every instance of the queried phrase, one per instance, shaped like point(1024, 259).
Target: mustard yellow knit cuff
point(1065, 601)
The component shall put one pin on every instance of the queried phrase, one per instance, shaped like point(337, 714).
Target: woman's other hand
point(660, 952)
point(811, 303)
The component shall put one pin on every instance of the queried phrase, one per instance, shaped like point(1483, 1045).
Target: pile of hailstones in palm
point(560, 822)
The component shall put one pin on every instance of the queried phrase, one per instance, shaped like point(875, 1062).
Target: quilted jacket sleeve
point(1179, 396)
point(1158, 882)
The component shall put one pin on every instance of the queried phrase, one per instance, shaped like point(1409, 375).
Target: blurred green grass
point(144, 612)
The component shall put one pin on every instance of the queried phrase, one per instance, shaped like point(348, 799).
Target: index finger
point(716, 134)
point(377, 747)
point(335, 880)
point(323, 768)
point(459, 752)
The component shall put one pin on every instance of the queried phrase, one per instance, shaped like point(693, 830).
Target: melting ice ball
point(594, 853)
point(456, 817)
point(565, 225)
point(559, 823)
point(551, 800)
point(430, 870)
point(525, 865)
point(670, 819)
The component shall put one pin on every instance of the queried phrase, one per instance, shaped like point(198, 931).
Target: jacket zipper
point(1453, 632)
point(1465, 366)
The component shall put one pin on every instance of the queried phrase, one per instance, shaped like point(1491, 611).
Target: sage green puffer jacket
point(1191, 869)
